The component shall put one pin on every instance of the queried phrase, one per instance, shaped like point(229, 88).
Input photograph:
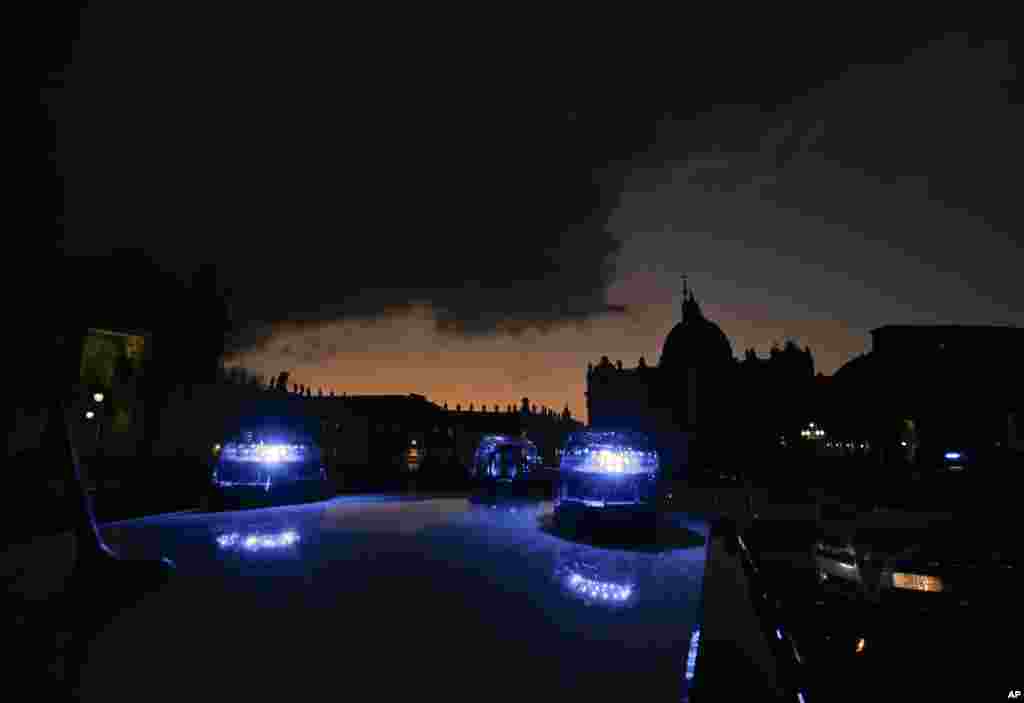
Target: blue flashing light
point(265, 452)
point(952, 455)
point(492, 444)
point(610, 453)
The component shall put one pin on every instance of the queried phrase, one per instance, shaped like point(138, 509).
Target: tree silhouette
point(123, 370)
point(210, 323)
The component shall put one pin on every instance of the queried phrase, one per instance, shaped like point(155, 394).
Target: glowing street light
point(98, 397)
point(89, 414)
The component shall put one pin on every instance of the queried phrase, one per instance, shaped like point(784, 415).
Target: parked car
point(905, 609)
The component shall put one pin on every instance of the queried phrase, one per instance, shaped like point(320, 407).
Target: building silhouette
point(923, 390)
point(699, 400)
point(920, 392)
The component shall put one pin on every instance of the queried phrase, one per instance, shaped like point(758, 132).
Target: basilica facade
point(700, 404)
point(683, 402)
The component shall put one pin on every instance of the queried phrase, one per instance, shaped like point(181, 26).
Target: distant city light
point(903, 444)
point(952, 455)
point(89, 415)
point(98, 397)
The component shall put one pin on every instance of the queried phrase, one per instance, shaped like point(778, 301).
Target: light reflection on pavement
point(416, 597)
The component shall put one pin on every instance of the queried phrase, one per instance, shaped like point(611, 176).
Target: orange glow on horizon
point(405, 354)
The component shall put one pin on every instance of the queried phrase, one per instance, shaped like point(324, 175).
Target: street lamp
point(89, 414)
point(98, 397)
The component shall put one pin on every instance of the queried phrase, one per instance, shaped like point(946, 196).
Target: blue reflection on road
point(445, 591)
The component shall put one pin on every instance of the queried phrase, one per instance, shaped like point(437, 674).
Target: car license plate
point(917, 582)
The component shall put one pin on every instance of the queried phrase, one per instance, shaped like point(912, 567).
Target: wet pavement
point(397, 597)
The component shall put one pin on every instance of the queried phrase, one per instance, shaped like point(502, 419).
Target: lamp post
point(98, 399)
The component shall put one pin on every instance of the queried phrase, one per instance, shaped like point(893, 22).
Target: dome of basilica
point(695, 342)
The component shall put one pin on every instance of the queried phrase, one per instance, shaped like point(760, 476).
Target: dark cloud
point(331, 185)
point(339, 176)
point(885, 193)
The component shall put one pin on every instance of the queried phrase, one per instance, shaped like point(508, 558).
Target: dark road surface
point(388, 598)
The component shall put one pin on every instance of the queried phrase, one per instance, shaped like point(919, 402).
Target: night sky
point(398, 209)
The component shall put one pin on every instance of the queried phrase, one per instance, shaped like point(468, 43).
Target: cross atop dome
point(691, 310)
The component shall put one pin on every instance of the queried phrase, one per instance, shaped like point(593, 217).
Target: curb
point(767, 609)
